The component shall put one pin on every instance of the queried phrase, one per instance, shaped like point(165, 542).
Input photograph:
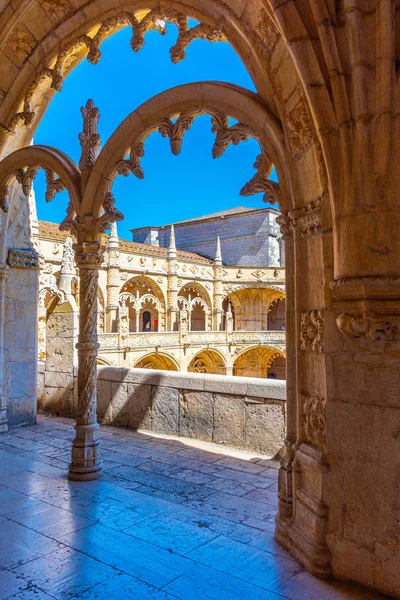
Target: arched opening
point(277, 315)
point(207, 361)
point(194, 299)
point(145, 303)
point(157, 361)
point(258, 362)
point(255, 309)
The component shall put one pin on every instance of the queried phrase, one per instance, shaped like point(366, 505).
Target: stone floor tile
point(203, 582)
point(265, 570)
point(32, 593)
point(241, 465)
point(193, 476)
point(135, 557)
point(230, 487)
point(303, 586)
point(161, 494)
point(264, 496)
point(155, 467)
point(265, 541)
point(240, 506)
point(246, 478)
point(218, 525)
point(49, 520)
point(121, 587)
point(11, 501)
point(18, 545)
point(158, 481)
point(65, 573)
point(10, 584)
point(168, 533)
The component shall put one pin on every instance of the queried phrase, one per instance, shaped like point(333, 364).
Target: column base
point(3, 421)
point(85, 461)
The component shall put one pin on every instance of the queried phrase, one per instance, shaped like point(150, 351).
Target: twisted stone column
point(3, 396)
point(85, 462)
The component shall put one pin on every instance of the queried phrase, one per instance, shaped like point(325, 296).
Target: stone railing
point(172, 339)
point(241, 412)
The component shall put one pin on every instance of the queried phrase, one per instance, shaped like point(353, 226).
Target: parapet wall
point(241, 412)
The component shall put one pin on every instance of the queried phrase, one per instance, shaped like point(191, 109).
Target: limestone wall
point(20, 346)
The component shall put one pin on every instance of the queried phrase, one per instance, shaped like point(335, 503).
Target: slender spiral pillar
point(85, 462)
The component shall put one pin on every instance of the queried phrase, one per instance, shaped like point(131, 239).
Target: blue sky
point(175, 187)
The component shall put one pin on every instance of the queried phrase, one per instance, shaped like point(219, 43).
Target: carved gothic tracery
point(22, 43)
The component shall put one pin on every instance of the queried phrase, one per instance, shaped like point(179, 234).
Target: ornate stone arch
point(208, 361)
point(160, 360)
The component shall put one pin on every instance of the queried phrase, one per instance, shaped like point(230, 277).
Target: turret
point(113, 279)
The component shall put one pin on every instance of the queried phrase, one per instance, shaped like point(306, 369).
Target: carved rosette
point(312, 331)
point(314, 421)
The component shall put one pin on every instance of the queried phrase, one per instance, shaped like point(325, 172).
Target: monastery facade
point(162, 308)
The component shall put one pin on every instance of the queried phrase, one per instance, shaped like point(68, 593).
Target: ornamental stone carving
point(21, 41)
point(299, 126)
point(311, 331)
point(371, 327)
point(314, 421)
point(57, 9)
point(308, 218)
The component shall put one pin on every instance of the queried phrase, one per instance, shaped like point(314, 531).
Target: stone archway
point(160, 361)
point(208, 361)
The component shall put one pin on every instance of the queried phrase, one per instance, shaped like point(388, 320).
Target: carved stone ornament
point(370, 327)
point(311, 331)
point(88, 223)
point(89, 138)
point(261, 182)
point(23, 258)
point(308, 218)
point(299, 126)
point(22, 44)
point(314, 421)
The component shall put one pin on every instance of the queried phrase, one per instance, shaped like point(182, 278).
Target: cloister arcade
point(326, 116)
point(133, 291)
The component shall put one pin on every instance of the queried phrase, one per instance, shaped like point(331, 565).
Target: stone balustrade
point(241, 412)
point(168, 339)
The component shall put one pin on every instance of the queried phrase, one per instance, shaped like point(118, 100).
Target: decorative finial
point(113, 240)
point(218, 254)
point(172, 247)
point(89, 138)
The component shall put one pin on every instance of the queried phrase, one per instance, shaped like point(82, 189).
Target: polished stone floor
point(166, 521)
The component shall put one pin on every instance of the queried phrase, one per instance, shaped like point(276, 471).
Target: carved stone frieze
point(314, 421)
point(312, 331)
point(23, 258)
point(371, 327)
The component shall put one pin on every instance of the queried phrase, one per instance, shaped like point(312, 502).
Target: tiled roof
point(52, 231)
point(237, 210)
